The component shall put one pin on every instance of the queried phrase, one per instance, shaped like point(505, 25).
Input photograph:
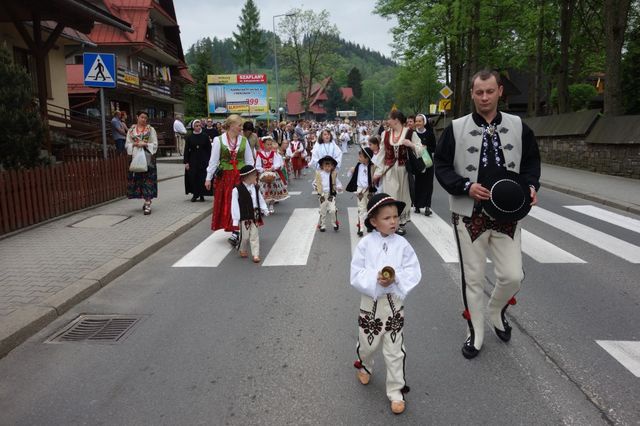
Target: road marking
point(294, 242)
point(592, 236)
point(352, 226)
point(607, 216)
point(207, 254)
point(545, 252)
point(439, 234)
point(625, 352)
point(295, 192)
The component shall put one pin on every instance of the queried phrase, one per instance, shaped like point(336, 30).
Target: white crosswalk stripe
point(626, 353)
point(294, 243)
point(207, 254)
point(607, 216)
point(545, 252)
point(592, 236)
point(439, 234)
point(353, 221)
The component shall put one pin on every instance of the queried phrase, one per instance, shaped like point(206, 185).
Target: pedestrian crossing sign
point(99, 70)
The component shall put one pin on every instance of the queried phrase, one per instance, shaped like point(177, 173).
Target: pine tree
point(249, 43)
point(354, 80)
point(335, 100)
point(21, 130)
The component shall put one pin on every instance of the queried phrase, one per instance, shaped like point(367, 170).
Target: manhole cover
point(96, 328)
point(100, 221)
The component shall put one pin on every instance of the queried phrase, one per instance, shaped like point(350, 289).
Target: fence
point(33, 195)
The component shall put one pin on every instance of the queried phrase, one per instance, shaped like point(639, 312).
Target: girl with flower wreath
point(144, 185)
point(269, 164)
point(229, 153)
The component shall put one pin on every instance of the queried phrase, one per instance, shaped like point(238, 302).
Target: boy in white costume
point(327, 185)
point(384, 268)
point(247, 209)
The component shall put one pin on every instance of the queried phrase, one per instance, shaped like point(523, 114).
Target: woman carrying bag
point(142, 140)
point(424, 181)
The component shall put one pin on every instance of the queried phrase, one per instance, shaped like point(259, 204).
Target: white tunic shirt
point(214, 160)
point(235, 205)
point(321, 150)
point(373, 253)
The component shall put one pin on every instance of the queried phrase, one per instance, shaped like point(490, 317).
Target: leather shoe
point(363, 377)
point(397, 407)
point(427, 211)
point(468, 350)
point(256, 259)
point(505, 335)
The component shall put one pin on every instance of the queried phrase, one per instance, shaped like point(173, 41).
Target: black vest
point(247, 211)
point(353, 183)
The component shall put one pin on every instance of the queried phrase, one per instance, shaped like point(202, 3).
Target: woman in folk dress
point(142, 136)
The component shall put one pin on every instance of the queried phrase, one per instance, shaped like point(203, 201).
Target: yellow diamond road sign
point(446, 92)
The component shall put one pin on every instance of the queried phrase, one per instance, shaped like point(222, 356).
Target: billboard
point(237, 94)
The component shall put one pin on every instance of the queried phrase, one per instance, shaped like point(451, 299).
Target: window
point(145, 70)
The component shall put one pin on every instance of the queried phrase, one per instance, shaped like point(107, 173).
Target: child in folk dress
point(384, 268)
point(269, 164)
point(247, 208)
point(285, 152)
point(327, 185)
point(298, 154)
point(362, 185)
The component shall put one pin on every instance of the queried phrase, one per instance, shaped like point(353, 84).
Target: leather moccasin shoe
point(468, 350)
point(244, 254)
point(363, 377)
point(397, 407)
point(256, 259)
point(505, 335)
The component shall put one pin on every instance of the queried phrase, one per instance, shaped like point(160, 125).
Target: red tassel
point(357, 364)
point(512, 301)
point(466, 315)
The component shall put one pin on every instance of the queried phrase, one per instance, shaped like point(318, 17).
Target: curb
point(618, 205)
point(26, 322)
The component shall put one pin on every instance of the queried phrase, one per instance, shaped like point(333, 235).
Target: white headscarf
point(424, 118)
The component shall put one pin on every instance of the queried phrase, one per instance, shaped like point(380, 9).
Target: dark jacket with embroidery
point(352, 186)
point(246, 204)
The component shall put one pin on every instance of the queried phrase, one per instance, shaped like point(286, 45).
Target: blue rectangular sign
point(100, 70)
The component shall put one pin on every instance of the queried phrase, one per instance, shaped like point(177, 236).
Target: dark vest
point(389, 153)
point(353, 183)
point(247, 211)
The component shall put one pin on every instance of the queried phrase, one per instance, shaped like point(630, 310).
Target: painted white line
point(545, 252)
point(351, 227)
point(611, 217)
point(294, 243)
point(295, 192)
point(625, 352)
point(592, 236)
point(439, 234)
point(207, 254)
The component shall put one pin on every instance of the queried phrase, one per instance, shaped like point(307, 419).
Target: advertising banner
point(237, 94)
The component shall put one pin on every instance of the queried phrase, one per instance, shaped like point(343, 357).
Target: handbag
point(138, 162)
point(414, 165)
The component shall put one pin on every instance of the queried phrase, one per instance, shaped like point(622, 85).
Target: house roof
point(318, 94)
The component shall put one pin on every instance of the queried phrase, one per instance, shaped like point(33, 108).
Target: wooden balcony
point(131, 79)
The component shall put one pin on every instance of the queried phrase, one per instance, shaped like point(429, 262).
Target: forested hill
point(221, 54)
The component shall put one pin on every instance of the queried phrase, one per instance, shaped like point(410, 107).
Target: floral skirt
point(143, 184)
point(221, 217)
point(276, 190)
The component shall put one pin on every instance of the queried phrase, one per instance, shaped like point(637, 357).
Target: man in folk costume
point(229, 153)
point(327, 185)
point(391, 160)
point(247, 208)
point(474, 149)
point(362, 184)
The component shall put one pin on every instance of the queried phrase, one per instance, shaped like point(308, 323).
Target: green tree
point(354, 80)
point(309, 41)
point(335, 100)
point(21, 131)
point(201, 65)
point(630, 69)
point(249, 43)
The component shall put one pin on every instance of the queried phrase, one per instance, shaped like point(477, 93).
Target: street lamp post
point(275, 56)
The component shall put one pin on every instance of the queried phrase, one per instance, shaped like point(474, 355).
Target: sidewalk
point(46, 270)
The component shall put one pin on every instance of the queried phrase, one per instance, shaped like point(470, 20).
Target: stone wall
point(573, 151)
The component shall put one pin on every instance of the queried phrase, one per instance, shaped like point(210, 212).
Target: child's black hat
point(380, 200)
point(247, 170)
point(328, 158)
point(368, 152)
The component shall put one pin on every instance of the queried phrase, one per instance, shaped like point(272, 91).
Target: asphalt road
point(247, 344)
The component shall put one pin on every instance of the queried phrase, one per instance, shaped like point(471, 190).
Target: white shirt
point(324, 176)
point(178, 127)
point(214, 160)
point(321, 150)
point(235, 205)
point(277, 162)
point(373, 253)
point(363, 179)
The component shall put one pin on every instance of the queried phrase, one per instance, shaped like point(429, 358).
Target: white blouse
point(321, 150)
point(277, 162)
point(214, 160)
point(235, 206)
point(373, 253)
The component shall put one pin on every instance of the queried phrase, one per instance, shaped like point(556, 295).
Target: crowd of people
point(488, 162)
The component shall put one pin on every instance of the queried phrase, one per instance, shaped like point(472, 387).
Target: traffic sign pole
point(104, 127)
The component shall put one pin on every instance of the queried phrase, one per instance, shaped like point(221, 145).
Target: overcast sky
point(354, 18)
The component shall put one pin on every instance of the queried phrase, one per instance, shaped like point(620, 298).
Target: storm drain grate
point(96, 328)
